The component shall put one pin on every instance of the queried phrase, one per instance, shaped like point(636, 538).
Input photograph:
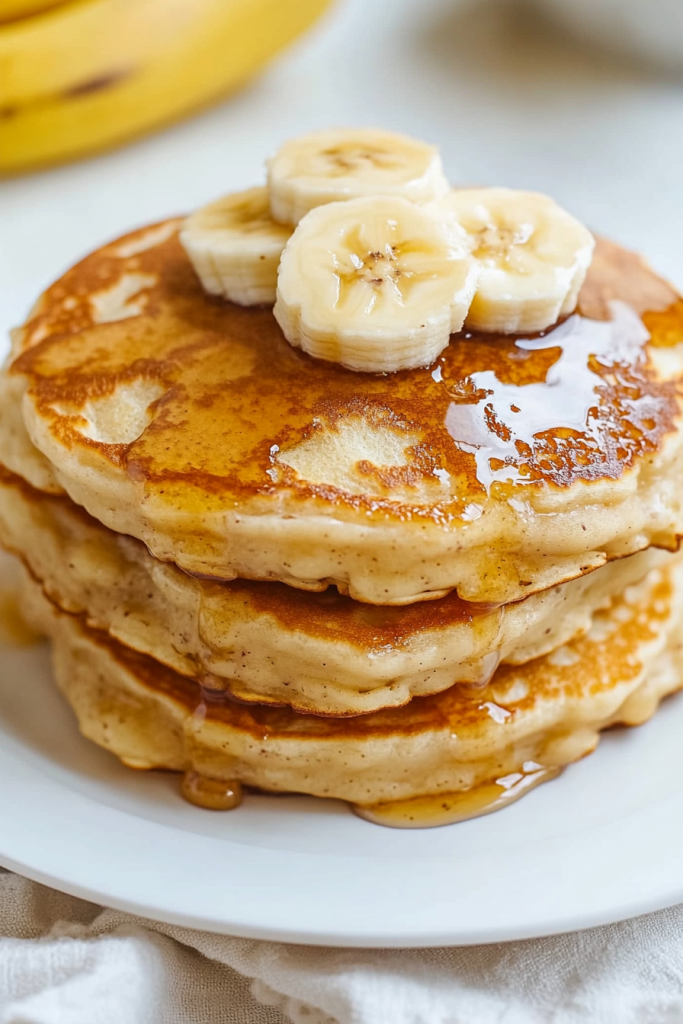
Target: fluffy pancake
point(509, 466)
point(320, 653)
point(527, 721)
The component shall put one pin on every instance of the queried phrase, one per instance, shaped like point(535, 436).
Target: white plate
point(601, 843)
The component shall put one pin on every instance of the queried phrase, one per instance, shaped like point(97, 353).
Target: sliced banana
point(533, 257)
point(235, 247)
point(330, 166)
point(376, 284)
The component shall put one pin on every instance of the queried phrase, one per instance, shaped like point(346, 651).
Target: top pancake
point(508, 466)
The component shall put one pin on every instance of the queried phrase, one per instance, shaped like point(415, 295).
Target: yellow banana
point(93, 73)
point(10, 10)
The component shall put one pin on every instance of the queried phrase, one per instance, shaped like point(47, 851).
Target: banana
point(329, 166)
point(12, 10)
point(30, 71)
point(376, 284)
point(532, 256)
point(88, 74)
point(235, 247)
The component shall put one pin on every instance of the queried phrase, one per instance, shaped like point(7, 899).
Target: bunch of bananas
point(81, 75)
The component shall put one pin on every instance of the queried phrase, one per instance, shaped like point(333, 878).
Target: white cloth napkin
point(65, 961)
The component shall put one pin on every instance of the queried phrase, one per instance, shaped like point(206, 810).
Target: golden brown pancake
point(320, 653)
point(508, 466)
point(483, 745)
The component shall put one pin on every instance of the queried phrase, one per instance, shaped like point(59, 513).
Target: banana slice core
point(376, 284)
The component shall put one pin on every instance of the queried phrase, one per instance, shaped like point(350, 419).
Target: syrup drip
point(202, 790)
point(450, 808)
point(211, 794)
point(14, 630)
point(489, 664)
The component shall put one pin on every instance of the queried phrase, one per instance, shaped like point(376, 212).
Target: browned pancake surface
point(580, 403)
point(545, 682)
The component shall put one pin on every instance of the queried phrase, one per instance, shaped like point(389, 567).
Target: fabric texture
point(66, 961)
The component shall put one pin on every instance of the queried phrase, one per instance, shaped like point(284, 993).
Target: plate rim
point(347, 940)
point(42, 866)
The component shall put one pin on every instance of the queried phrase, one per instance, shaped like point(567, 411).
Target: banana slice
point(330, 166)
point(533, 257)
point(235, 247)
point(376, 284)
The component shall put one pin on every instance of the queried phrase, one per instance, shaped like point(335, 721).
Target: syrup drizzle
point(449, 808)
point(501, 422)
point(582, 402)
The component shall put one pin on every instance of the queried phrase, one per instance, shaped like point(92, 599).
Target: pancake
point(509, 466)
point(484, 745)
point(16, 448)
point(319, 653)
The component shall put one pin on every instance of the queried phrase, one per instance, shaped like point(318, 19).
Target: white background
point(509, 99)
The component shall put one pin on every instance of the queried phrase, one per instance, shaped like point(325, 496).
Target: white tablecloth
point(65, 961)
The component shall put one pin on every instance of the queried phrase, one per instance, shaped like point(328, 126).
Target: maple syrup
point(211, 794)
point(580, 402)
point(450, 808)
point(14, 630)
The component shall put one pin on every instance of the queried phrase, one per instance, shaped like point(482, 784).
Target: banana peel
point(88, 75)
point(10, 10)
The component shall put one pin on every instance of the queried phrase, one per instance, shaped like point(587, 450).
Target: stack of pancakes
point(421, 592)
